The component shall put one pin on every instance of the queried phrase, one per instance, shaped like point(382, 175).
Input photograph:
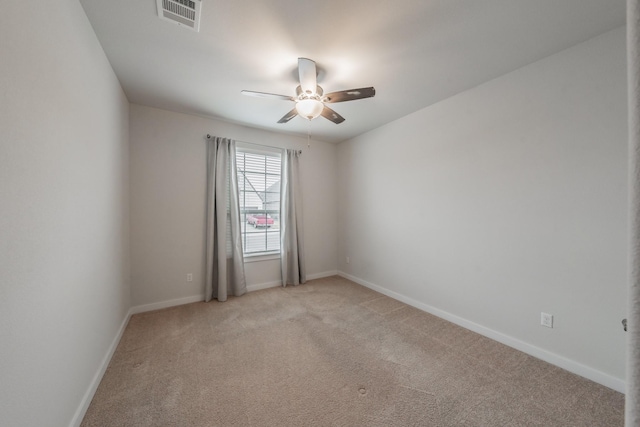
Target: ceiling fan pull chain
point(309, 134)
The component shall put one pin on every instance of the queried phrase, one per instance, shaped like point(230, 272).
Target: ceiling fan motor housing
point(302, 95)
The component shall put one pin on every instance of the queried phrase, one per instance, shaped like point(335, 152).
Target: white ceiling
point(414, 52)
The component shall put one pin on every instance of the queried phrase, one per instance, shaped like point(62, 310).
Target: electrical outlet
point(189, 277)
point(348, 260)
point(546, 319)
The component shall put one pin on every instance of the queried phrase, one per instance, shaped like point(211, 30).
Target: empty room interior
point(442, 186)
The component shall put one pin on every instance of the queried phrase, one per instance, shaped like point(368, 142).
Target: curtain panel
point(224, 257)
point(291, 230)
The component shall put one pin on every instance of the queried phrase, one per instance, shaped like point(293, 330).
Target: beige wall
point(509, 199)
point(64, 212)
point(168, 179)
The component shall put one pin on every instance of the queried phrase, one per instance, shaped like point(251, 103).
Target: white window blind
point(259, 191)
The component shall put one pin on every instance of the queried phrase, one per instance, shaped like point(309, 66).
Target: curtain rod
point(254, 143)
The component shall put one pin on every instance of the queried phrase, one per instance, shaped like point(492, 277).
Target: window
point(259, 193)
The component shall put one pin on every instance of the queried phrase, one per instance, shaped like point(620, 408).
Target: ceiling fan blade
point(329, 114)
point(350, 95)
point(290, 115)
point(308, 75)
point(267, 95)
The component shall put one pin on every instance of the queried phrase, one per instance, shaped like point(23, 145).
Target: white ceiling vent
point(185, 13)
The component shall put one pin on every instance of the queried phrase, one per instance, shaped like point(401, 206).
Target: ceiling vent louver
point(185, 13)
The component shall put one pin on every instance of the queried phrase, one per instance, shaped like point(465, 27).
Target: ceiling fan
point(310, 99)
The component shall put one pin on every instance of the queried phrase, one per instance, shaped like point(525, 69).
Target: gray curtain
point(632, 403)
point(224, 258)
point(291, 233)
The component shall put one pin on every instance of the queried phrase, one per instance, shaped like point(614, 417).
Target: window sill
point(261, 257)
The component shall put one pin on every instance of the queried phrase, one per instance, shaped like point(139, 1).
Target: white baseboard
point(555, 359)
point(95, 382)
point(166, 304)
point(266, 285)
point(275, 284)
point(321, 275)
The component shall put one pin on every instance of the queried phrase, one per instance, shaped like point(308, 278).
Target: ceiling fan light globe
point(309, 108)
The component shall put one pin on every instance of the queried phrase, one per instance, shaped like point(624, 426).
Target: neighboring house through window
point(259, 193)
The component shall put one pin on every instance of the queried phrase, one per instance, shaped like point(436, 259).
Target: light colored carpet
point(331, 353)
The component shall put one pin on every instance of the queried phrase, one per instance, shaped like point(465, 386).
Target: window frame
point(266, 152)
